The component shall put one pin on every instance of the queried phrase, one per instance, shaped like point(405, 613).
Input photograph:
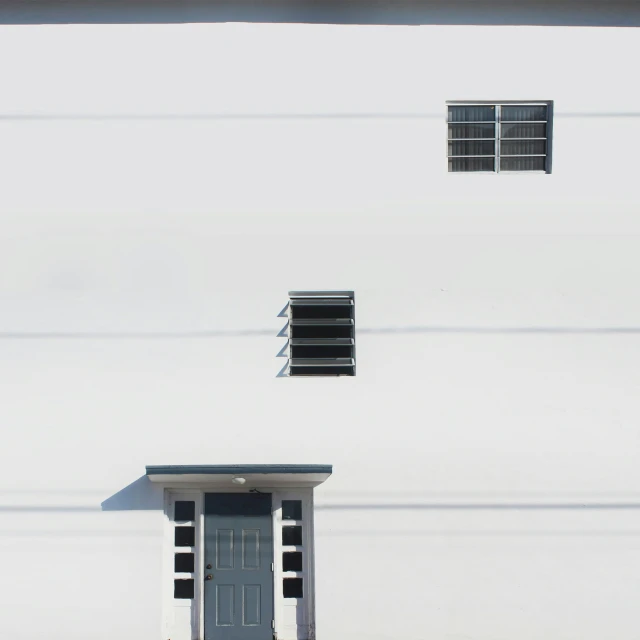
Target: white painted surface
point(181, 179)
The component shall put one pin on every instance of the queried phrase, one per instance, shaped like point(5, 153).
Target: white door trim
point(294, 618)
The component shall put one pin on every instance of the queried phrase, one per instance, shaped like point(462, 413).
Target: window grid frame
point(497, 127)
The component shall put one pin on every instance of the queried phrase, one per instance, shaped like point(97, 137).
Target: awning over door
point(254, 475)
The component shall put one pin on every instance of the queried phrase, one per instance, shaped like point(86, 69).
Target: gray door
point(238, 552)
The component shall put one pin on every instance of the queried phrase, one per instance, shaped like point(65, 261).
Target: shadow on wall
point(140, 495)
point(590, 13)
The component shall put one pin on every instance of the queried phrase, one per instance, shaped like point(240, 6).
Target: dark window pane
point(475, 113)
point(183, 589)
point(233, 504)
point(185, 510)
point(292, 561)
point(321, 331)
point(523, 164)
point(292, 535)
point(292, 587)
point(471, 164)
point(185, 537)
point(523, 147)
point(292, 509)
point(471, 148)
point(315, 351)
point(457, 131)
point(521, 113)
point(523, 130)
point(301, 312)
point(322, 371)
point(184, 563)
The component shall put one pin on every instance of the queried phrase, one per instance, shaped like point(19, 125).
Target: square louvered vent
point(321, 333)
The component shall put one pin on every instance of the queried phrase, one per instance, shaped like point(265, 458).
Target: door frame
point(294, 618)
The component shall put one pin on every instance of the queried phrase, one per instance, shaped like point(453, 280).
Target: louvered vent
point(321, 333)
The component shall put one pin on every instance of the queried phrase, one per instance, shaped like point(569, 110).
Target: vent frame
point(335, 321)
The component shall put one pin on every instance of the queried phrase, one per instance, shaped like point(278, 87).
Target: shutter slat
point(320, 302)
point(309, 322)
point(321, 362)
point(329, 342)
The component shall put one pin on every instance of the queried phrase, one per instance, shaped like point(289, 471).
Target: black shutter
point(321, 333)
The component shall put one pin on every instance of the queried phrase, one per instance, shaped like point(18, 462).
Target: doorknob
point(208, 577)
point(209, 566)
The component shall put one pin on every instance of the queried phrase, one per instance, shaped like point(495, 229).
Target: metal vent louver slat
point(321, 333)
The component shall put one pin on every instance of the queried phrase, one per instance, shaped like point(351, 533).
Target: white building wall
point(162, 189)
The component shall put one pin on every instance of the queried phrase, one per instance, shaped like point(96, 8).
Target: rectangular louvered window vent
point(500, 137)
point(321, 333)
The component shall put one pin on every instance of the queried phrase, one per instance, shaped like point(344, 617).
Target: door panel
point(238, 588)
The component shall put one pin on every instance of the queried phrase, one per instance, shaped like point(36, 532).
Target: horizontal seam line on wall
point(380, 506)
point(272, 116)
point(203, 335)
